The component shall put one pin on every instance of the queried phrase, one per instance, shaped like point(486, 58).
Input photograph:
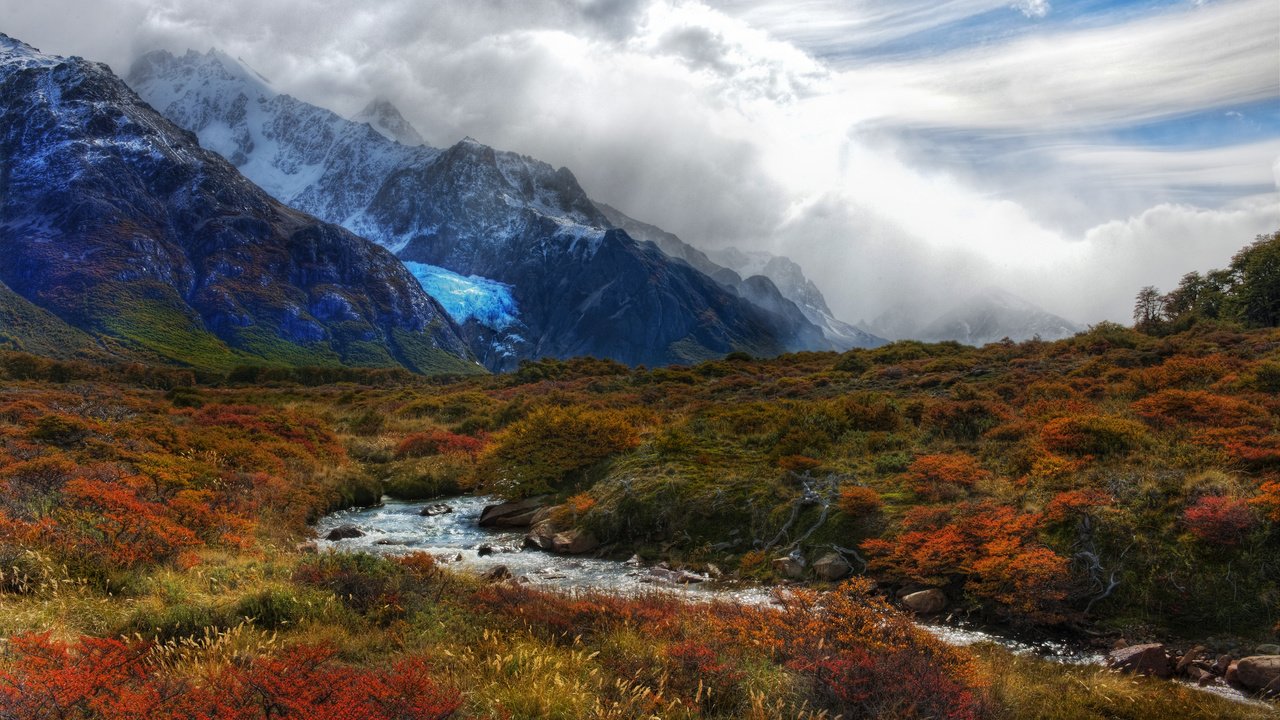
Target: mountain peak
point(384, 117)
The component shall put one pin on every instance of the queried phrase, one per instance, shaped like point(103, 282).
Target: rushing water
point(399, 527)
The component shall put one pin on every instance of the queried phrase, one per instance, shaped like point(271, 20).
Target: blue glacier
point(488, 302)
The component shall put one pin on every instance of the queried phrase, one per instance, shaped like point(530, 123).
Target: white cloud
point(725, 125)
point(1032, 8)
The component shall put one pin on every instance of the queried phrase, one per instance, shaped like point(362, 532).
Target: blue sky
point(903, 151)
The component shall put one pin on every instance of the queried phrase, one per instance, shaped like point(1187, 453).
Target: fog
point(903, 152)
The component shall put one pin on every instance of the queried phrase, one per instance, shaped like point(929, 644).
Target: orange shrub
point(1093, 435)
point(859, 501)
point(1197, 407)
point(935, 477)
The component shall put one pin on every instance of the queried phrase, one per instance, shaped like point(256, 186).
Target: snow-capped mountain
point(117, 222)
point(577, 285)
point(770, 281)
point(384, 117)
point(986, 316)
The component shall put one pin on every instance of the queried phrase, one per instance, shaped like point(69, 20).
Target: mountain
point(560, 279)
point(987, 316)
point(796, 287)
point(384, 117)
point(118, 223)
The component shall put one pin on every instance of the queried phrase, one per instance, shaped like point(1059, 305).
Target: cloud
point(1032, 8)
point(897, 178)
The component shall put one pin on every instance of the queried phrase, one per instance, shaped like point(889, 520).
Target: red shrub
point(438, 442)
point(1219, 520)
point(936, 477)
point(859, 500)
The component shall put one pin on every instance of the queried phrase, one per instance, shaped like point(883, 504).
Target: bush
point(1098, 435)
point(859, 501)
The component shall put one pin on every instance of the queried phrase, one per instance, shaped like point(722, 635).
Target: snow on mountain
point(582, 286)
point(115, 220)
point(385, 117)
point(795, 286)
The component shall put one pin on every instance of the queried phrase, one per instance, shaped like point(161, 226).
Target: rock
point(1201, 676)
point(434, 510)
point(791, 566)
point(684, 577)
point(307, 548)
point(542, 537)
point(1267, 649)
point(661, 573)
point(1120, 644)
point(344, 532)
point(484, 550)
point(831, 567)
point(1230, 674)
point(1272, 689)
point(457, 558)
point(511, 514)
point(1191, 656)
point(1224, 662)
point(1146, 659)
point(714, 572)
point(388, 541)
point(574, 542)
point(1257, 671)
point(497, 574)
point(926, 602)
point(634, 561)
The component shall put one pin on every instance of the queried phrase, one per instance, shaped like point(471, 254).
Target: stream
point(397, 527)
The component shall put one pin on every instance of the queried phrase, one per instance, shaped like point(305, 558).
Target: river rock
point(542, 537)
point(1146, 659)
point(511, 514)
point(714, 572)
point(634, 561)
point(1256, 672)
point(1267, 649)
point(1224, 662)
point(574, 542)
point(498, 574)
point(434, 510)
point(926, 602)
point(344, 532)
point(831, 567)
point(1195, 653)
point(485, 550)
point(791, 566)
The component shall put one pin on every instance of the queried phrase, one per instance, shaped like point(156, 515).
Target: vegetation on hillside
point(1116, 480)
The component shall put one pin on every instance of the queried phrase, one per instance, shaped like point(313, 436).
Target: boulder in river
point(434, 510)
point(574, 542)
point(498, 574)
point(1256, 672)
point(512, 514)
point(1146, 659)
point(831, 567)
point(541, 536)
point(926, 602)
point(344, 532)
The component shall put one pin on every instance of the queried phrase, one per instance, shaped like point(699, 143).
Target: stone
point(634, 561)
point(832, 567)
point(434, 510)
point(926, 602)
point(1191, 656)
point(307, 548)
point(497, 574)
point(344, 532)
point(484, 550)
point(511, 514)
point(574, 542)
point(1145, 659)
point(1257, 671)
point(1224, 662)
point(684, 577)
point(388, 541)
point(1267, 649)
point(714, 572)
point(541, 537)
point(791, 566)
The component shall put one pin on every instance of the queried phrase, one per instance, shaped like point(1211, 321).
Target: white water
point(455, 537)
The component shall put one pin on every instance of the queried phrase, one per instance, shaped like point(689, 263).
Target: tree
point(1148, 310)
point(1256, 297)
